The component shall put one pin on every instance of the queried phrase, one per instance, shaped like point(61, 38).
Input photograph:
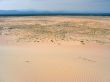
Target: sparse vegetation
point(56, 28)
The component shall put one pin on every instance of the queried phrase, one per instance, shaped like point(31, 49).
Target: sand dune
point(54, 49)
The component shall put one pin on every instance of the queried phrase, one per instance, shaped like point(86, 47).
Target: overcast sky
point(72, 5)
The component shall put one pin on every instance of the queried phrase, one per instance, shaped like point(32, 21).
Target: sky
point(58, 5)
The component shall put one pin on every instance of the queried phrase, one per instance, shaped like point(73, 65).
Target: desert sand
point(55, 49)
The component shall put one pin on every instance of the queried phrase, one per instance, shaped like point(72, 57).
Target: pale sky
point(71, 5)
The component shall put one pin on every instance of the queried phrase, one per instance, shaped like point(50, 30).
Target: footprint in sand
point(87, 59)
point(27, 61)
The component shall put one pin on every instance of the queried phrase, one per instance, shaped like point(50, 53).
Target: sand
point(55, 49)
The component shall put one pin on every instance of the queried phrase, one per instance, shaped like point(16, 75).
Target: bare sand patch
point(54, 49)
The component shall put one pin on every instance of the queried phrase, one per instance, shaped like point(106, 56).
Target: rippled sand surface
point(55, 49)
